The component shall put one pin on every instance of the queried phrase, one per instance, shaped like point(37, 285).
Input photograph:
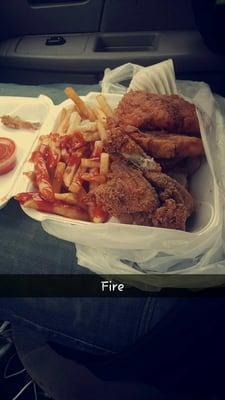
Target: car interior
point(46, 45)
point(74, 41)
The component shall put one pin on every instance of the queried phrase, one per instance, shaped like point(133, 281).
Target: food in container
point(111, 234)
point(15, 122)
point(114, 247)
point(98, 163)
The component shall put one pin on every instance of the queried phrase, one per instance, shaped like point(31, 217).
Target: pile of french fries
point(70, 162)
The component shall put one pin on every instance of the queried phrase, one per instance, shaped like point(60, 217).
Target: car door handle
point(55, 41)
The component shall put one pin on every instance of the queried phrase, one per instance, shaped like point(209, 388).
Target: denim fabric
point(95, 325)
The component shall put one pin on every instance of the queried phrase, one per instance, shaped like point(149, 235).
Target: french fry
point(74, 122)
point(97, 214)
point(71, 143)
point(96, 153)
point(88, 127)
point(42, 178)
point(72, 167)
point(88, 163)
point(65, 155)
point(31, 175)
point(68, 175)
point(58, 177)
point(90, 136)
point(64, 125)
point(54, 154)
point(91, 114)
point(25, 196)
point(83, 109)
point(62, 115)
point(65, 210)
point(93, 185)
point(100, 115)
point(87, 131)
point(60, 119)
point(71, 198)
point(76, 183)
point(73, 212)
point(46, 190)
point(34, 204)
point(98, 147)
point(44, 150)
point(104, 105)
point(43, 139)
point(101, 130)
point(75, 187)
point(104, 163)
point(71, 157)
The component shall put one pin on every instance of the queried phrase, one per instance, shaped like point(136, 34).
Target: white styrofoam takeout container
point(34, 110)
point(111, 234)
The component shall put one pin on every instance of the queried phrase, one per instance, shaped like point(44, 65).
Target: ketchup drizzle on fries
point(70, 163)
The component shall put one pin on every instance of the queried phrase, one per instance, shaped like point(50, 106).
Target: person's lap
point(96, 325)
point(108, 325)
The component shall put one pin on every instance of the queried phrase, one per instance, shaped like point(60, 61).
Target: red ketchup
point(7, 155)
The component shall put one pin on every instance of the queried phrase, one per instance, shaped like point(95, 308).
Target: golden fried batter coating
point(143, 194)
point(119, 142)
point(126, 191)
point(139, 218)
point(171, 215)
point(157, 200)
point(168, 145)
point(187, 166)
point(169, 188)
point(149, 111)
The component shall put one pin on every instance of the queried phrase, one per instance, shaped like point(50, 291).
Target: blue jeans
point(109, 325)
point(188, 334)
point(96, 325)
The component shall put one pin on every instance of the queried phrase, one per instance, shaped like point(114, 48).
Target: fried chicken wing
point(184, 167)
point(139, 218)
point(149, 111)
point(137, 191)
point(168, 145)
point(176, 202)
point(127, 192)
point(171, 215)
point(119, 142)
point(148, 198)
point(168, 188)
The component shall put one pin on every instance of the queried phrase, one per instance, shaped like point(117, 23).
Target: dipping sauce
point(7, 155)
